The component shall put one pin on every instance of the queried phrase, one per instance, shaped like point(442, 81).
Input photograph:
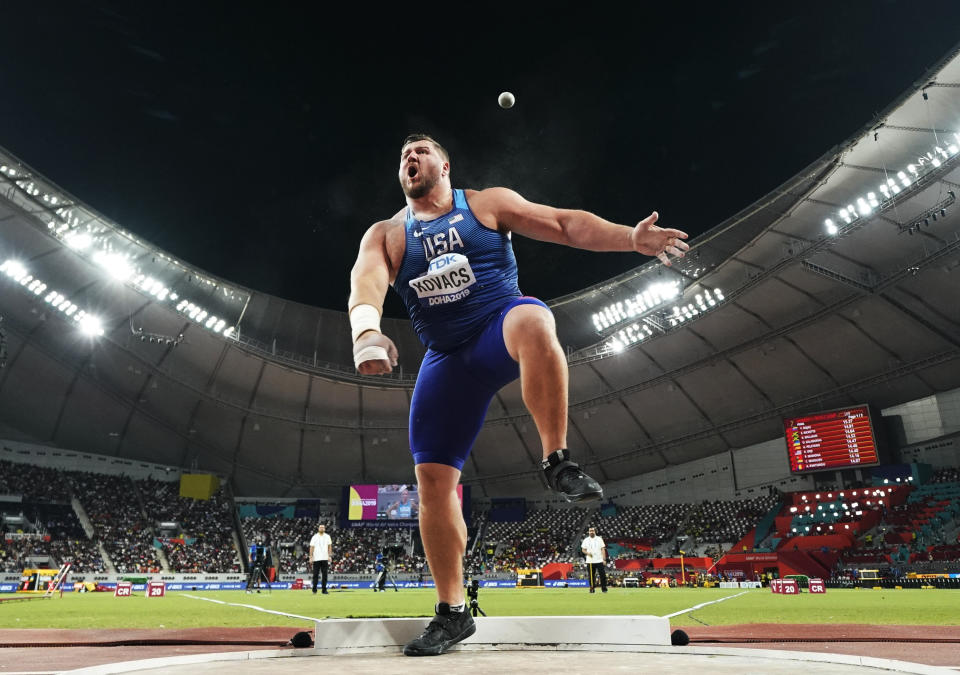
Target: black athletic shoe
point(446, 629)
point(566, 478)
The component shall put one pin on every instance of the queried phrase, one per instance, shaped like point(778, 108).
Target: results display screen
point(386, 502)
point(836, 439)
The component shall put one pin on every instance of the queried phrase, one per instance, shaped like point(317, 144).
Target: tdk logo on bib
point(448, 279)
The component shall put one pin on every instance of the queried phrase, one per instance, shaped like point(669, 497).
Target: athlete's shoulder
point(492, 204)
point(491, 194)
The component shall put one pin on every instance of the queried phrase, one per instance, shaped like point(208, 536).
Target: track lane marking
point(259, 609)
point(703, 604)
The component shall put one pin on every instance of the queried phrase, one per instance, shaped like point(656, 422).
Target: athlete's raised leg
point(530, 335)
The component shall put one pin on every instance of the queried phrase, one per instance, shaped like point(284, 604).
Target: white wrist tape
point(362, 319)
point(371, 353)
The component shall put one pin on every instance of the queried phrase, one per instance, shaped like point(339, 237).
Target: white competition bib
point(448, 279)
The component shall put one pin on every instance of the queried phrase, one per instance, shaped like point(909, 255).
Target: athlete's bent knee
point(528, 326)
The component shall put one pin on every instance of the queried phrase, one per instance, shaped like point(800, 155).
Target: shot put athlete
point(448, 255)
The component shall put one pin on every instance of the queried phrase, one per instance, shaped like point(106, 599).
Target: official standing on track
point(321, 548)
point(596, 552)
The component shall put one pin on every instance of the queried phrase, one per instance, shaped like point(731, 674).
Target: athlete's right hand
point(374, 354)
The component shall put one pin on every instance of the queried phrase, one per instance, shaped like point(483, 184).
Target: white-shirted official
point(596, 552)
point(321, 549)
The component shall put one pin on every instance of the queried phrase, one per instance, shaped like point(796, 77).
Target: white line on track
point(259, 609)
point(703, 604)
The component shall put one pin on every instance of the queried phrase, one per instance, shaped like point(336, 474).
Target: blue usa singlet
point(453, 303)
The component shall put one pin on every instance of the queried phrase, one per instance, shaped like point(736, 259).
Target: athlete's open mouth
point(412, 171)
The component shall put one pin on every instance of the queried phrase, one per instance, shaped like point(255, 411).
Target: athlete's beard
point(421, 189)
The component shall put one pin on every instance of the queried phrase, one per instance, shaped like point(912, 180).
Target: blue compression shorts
point(454, 390)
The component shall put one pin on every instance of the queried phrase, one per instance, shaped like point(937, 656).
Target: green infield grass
point(177, 610)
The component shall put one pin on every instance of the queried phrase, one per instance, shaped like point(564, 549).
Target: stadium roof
point(839, 287)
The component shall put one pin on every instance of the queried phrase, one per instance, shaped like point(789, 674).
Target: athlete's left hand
point(374, 354)
point(661, 242)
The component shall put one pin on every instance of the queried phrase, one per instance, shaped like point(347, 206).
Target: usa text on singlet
point(472, 276)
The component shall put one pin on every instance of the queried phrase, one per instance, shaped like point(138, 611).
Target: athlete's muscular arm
point(369, 280)
point(579, 229)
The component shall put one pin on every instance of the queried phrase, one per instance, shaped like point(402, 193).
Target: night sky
point(259, 144)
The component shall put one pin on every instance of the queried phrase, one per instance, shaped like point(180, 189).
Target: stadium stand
point(119, 523)
point(721, 522)
point(42, 526)
point(543, 537)
point(203, 540)
point(290, 537)
point(638, 530)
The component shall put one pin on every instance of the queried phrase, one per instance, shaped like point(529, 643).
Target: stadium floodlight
point(115, 264)
point(91, 325)
point(831, 226)
point(14, 269)
point(642, 302)
point(78, 241)
point(890, 188)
